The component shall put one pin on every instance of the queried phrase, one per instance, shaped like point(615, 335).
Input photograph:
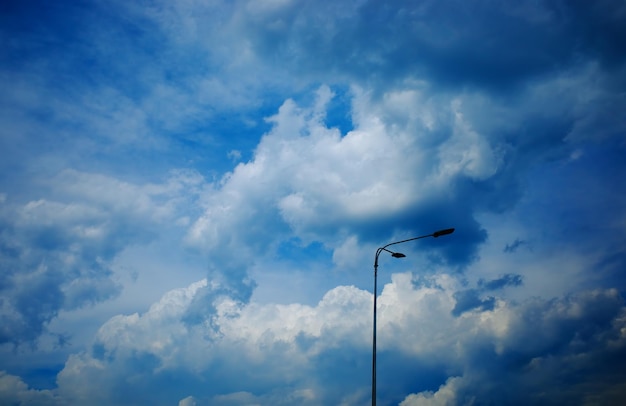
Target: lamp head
point(397, 255)
point(443, 232)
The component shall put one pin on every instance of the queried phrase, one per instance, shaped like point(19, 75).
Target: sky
point(192, 194)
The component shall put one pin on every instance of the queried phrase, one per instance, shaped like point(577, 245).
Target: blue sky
point(192, 194)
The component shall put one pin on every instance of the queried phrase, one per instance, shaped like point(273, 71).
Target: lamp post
point(395, 255)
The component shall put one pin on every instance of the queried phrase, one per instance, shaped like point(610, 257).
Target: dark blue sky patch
point(99, 352)
point(339, 110)
point(300, 252)
point(41, 378)
point(467, 300)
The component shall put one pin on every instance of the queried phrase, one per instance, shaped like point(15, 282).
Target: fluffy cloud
point(313, 182)
point(469, 154)
point(527, 348)
point(57, 251)
point(13, 391)
point(240, 341)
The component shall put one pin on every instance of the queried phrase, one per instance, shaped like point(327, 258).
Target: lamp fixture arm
point(384, 248)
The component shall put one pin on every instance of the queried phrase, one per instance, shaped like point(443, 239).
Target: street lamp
point(395, 255)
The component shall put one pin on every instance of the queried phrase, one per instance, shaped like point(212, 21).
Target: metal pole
point(374, 330)
point(397, 255)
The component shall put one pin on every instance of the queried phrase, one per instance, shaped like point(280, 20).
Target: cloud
point(572, 353)
point(322, 129)
point(13, 391)
point(248, 340)
point(375, 43)
point(260, 353)
point(470, 300)
point(505, 280)
point(188, 401)
point(311, 181)
point(469, 152)
point(446, 395)
point(58, 251)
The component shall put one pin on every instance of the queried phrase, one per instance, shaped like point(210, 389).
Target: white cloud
point(289, 347)
point(467, 152)
point(13, 391)
point(310, 180)
point(445, 396)
point(350, 254)
point(188, 401)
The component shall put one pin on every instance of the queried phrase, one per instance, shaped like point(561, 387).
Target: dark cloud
point(467, 300)
point(556, 352)
point(458, 249)
point(41, 281)
point(492, 45)
point(504, 281)
point(34, 304)
point(599, 29)
point(474, 299)
point(58, 254)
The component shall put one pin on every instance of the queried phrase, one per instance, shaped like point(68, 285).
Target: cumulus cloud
point(13, 391)
point(311, 181)
point(248, 340)
point(445, 396)
point(526, 348)
point(57, 251)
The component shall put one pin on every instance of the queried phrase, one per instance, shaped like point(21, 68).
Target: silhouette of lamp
point(395, 255)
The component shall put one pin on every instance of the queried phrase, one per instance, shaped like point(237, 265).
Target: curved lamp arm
point(436, 234)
